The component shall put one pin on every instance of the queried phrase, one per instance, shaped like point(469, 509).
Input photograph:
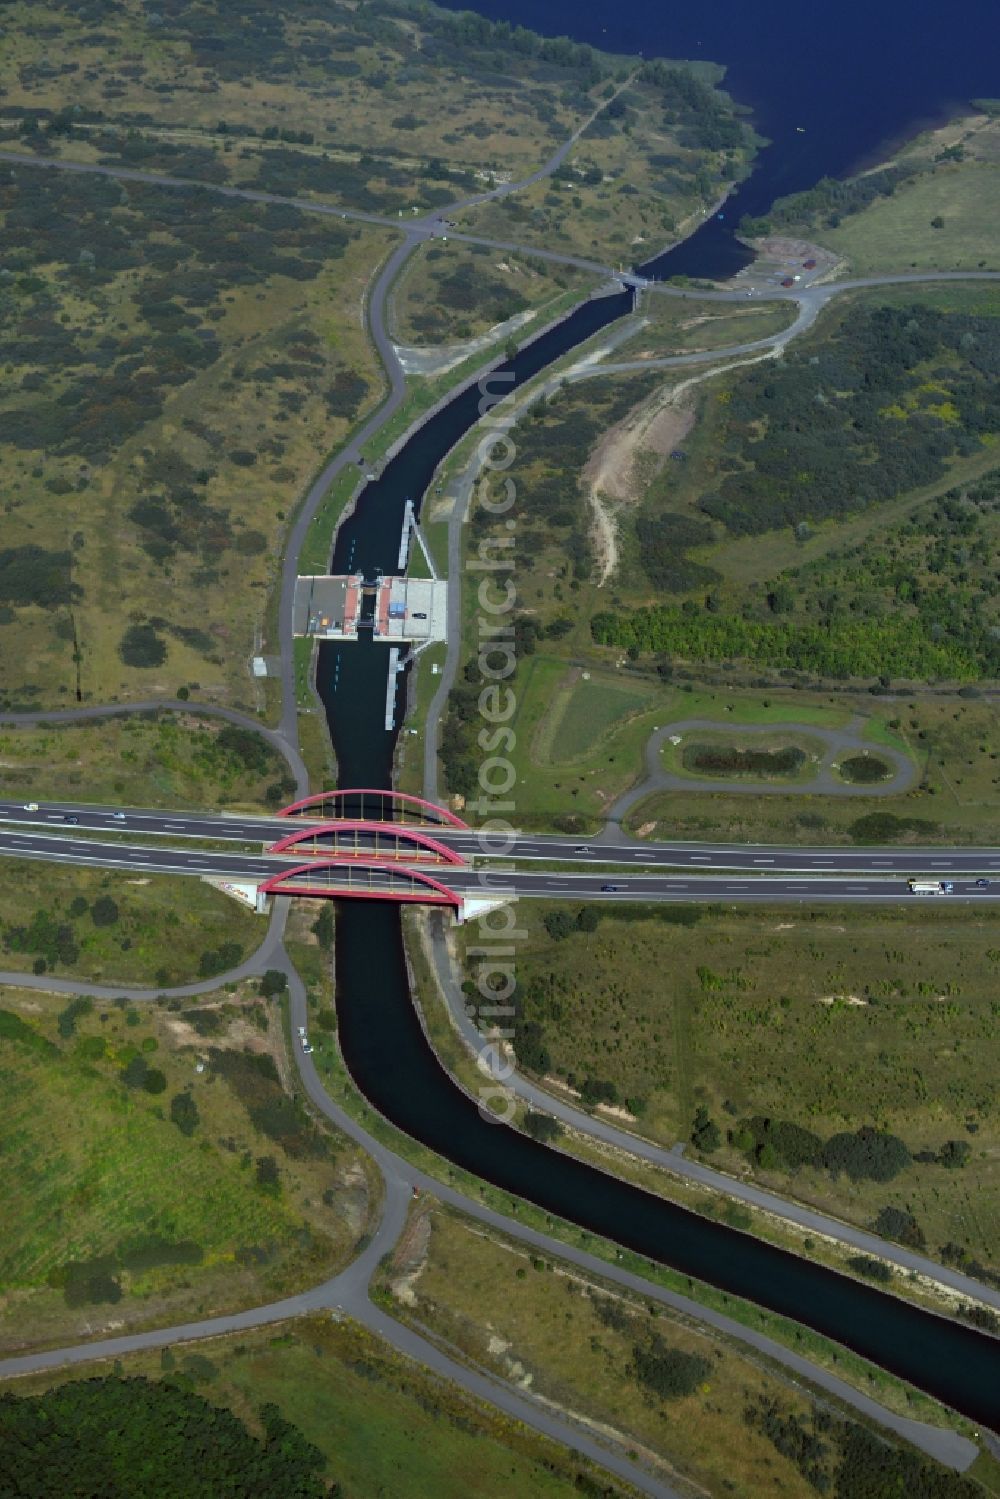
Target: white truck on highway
point(931, 887)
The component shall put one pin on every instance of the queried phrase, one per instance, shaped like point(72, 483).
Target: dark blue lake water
point(855, 77)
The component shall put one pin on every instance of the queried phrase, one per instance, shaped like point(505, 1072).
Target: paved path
point(825, 782)
point(351, 1286)
point(348, 1292)
point(672, 1159)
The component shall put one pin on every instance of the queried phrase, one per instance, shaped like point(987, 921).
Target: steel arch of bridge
point(408, 843)
point(353, 878)
point(400, 806)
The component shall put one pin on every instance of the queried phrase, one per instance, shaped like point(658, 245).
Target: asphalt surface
point(495, 882)
point(348, 1293)
point(19, 827)
point(351, 1287)
point(824, 781)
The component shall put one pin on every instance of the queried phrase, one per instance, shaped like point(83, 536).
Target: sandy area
point(610, 476)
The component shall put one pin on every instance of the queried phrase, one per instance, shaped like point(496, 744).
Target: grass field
point(386, 1425)
point(828, 1019)
point(582, 714)
point(941, 219)
point(529, 1318)
point(673, 326)
point(159, 931)
point(98, 1174)
point(170, 759)
point(898, 233)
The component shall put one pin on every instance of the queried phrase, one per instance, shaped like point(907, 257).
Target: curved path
point(673, 1160)
point(349, 1292)
point(351, 1286)
point(824, 783)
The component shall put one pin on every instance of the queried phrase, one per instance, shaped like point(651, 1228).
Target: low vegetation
point(450, 292)
point(845, 1061)
point(896, 615)
point(176, 362)
point(155, 1166)
point(149, 760)
point(312, 1400)
point(861, 589)
point(275, 96)
point(658, 157)
point(650, 1379)
point(114, 928)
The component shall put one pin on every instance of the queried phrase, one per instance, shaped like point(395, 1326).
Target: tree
point(114, 1435)
point(273, 983)
point(133, 1074)
point(322, 927)
point(705, 1133)
point(184, 1113)
point(542, 1126)
point(141, 646)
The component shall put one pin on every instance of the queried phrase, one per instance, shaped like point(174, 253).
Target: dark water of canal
point(853, 77)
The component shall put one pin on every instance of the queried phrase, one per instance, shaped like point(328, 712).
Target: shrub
point(863, 1264)
point(668, 1372)
point(867, 1154)
point(705, 1132)
point(141, 646)
point(273, 983)
point(558, 924)
point(863, 770)
point(898, 1224)
point(66, 1023)
point(104, 911)
point(267, 1174)
point(542, 1126)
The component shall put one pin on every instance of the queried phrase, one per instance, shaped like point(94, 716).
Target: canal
point(392, 1064)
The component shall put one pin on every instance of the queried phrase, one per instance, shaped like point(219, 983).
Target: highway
point(761, 884)
point(604, 850)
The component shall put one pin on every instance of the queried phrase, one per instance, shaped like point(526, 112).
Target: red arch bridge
point(364, 804)
point(369, 880)
point(374, 844)
point(382, 842)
